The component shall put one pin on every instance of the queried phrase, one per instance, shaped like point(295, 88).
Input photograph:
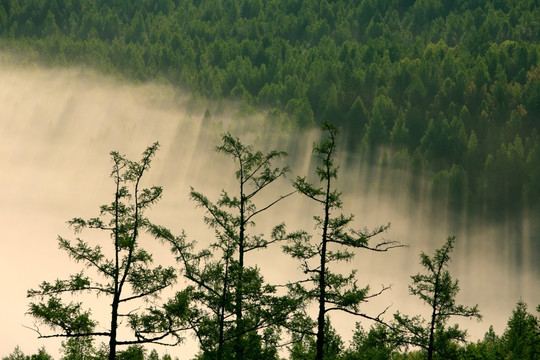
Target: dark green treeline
point(451, 87)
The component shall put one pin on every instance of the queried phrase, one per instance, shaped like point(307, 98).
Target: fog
point(57, 128)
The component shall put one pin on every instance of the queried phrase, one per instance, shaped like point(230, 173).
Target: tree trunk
point(116, 298)
point(431, 336)
point(221, 340)
point(322, 276)
point(433, 317)
point(239, 287)
point(322, 303)
point(114, 326)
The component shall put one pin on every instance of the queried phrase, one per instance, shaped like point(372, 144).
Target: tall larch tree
point(127, 278)
point(438, 290)
point(238, 310)
point(330, 291)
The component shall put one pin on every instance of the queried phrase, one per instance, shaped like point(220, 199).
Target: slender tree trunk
point(116, 298)
point(239, 287)
point(322, 303)
point(119, 282)
point(114, 326)
point(222, 311)
point(322, 277)
point(431, 336)
point(433, 318)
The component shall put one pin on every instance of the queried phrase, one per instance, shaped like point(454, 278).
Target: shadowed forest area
point(446, 90)
point(449, 87)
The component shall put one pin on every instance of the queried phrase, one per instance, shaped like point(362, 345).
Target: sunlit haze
point(57, 128)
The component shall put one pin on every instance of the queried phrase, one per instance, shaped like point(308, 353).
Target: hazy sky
point(57, 129)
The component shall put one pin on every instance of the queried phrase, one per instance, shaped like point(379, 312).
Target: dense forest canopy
point(452, 87)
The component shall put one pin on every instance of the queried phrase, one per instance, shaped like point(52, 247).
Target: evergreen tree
point(317, 62)
point(239, 311)
point(305, 347)
point(331, 291)
point(18, 354)
point(78, 348)
point(128, 275)
point(438, 290)
point(521, 340)
point(374, 344)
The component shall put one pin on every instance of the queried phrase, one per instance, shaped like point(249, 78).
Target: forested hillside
point(451, 87)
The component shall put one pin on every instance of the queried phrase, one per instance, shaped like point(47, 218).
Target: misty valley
point(282, 179)
point(225, 302)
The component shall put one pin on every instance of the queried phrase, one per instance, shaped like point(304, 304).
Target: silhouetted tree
point(489, 348)
point(133, 352)
point(236, 303)
point(331, 291)
point(438, 290)
point(129, 277)
point(370, 345)
point(78, 348)
point(306, 347)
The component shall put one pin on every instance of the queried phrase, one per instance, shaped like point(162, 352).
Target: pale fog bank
point(57, 128)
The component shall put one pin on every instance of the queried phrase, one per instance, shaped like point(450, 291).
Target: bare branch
point(41, 336)
point(269, 205)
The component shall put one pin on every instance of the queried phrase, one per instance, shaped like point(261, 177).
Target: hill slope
point(450, 87)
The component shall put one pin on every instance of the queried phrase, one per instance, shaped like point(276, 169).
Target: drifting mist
point(58, 126)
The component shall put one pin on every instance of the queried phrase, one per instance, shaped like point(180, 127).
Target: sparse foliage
point(331, 291)
point(438, 290)
point(126, 279)
point(235, 302)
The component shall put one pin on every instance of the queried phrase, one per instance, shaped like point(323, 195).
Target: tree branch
point(269, 205)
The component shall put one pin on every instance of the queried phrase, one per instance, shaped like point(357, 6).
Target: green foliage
point(70, 318)
point(378, 71)
point(133, 352)
point(79, 348)
point(371, 345)
point(18, 354)
point(438, 290)
point(489, 348)
point(521, 340)
point(306, 347)
point(238, 313)
point(126, 277)
point(453, 88)
point(330, 291)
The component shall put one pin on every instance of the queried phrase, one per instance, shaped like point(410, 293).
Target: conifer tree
point(330, 291)
point(239, 312)
point(126, 278)
point(521, 340)
point(438, 290)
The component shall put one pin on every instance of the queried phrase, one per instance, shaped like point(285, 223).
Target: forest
point(450, 89)
point(446, 89)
